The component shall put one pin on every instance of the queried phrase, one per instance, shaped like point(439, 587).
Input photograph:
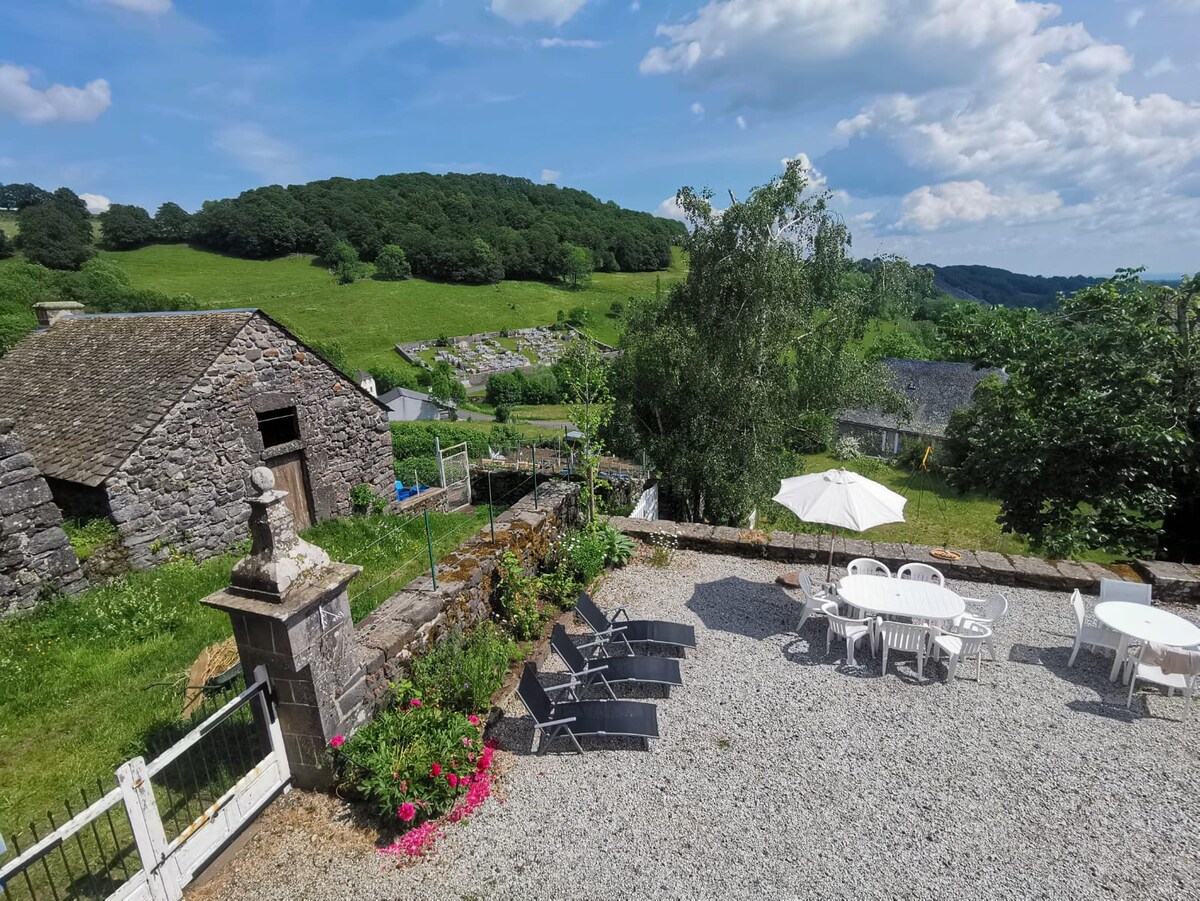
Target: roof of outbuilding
point(934, 391)
point(87, 390)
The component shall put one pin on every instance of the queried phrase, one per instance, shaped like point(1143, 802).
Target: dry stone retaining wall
point(410, 621)
point(788, 547)
point(35, 555)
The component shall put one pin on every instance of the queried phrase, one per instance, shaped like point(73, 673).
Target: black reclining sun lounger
point(576, 719)
point(605, 670)
point(612, 628)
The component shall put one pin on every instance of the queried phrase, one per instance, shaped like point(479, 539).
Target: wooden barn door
point(290, 477)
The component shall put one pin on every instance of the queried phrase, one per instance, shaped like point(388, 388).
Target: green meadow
point(370, 317)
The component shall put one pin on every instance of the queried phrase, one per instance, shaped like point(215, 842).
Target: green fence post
point(533, 456)
point(491, 520)
point(429, 544)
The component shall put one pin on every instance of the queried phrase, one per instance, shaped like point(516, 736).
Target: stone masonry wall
point(788, 547)
point(411, 620)
point(35, 555)
point(184, 487)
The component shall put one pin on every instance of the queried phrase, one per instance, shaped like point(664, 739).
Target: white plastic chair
point(985, 612)
point(1152, 672)
point(1094, 636)
point(865, 566)
point(921, 572)
point(1129, 592)
point(852, 630)
point(962, 646)
point(814, 599)
point(907, 637)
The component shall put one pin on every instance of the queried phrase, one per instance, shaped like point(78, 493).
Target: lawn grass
point(936, 514)
point(369, 317)
point(84, 681)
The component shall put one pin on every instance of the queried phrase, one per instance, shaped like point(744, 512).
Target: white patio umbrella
point(840, 498)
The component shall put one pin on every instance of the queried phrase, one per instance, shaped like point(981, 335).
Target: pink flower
point(415, 702)
point(452, 779)
point(337, 741)
point(464, 781)
point(407, 811)
point(467, 742)
point(436, 771)
point(473, 720)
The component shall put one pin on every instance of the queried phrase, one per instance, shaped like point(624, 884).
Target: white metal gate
point(171, 848)
point(454, 467)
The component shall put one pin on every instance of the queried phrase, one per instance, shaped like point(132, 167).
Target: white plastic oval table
point(900, 597)
point(1145, 623)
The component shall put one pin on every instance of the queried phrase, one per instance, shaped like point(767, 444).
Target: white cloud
point(57, 103)
point(635, 6)
point(698, 109)
point(741, 122)
point(553, 11)
point(670, 209)
point(936, 206)
point(1134, 16)
point(255, 150)
point(571, 42)
point(550, 175)
point(149, 7)
point(1163, 67)
point(96, 203)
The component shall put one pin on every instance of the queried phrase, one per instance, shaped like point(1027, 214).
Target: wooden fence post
point(162, 879)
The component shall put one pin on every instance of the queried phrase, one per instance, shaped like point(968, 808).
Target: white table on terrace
point(900, 597)
point(1144, 623)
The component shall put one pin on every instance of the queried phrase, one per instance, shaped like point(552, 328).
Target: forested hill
point(455, 227)
point(1009, 289)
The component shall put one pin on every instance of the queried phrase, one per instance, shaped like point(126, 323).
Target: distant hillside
point(453, 227)
point(1011, 289)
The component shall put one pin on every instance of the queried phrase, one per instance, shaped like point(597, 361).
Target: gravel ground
point(784, 773)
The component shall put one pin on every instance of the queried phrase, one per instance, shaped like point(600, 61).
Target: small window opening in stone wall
point(278, 426)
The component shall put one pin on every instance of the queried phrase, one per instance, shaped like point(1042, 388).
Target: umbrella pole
point(829, 565)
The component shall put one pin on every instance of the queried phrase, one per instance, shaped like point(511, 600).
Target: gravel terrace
point(784, 773)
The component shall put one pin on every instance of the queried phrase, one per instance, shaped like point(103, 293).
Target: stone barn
point(934, 390)
point(153, 420)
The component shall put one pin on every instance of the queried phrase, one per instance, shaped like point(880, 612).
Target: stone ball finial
point(262, 479)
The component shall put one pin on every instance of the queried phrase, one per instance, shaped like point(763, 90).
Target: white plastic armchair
point(852, 630)
point(908, 638)
point(1148, 665)
point(1093, 636)
point(813, 600)
point(988, 612)
point(1120, 590)
point(962, 645)
point(921, 572)
point(865, 566)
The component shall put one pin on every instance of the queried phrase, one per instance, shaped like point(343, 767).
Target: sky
point(1050, 139)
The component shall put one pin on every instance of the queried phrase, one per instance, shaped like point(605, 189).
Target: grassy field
point(85, 680)
point(369, 317)
point(936, 514)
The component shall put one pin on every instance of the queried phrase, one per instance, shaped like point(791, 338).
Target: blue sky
point(1042, 138)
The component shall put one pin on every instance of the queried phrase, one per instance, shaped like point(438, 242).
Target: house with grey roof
point(406, 405)
point(154, 420)
point(933, 390)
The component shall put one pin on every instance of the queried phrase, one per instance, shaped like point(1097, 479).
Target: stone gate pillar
point(290, 613)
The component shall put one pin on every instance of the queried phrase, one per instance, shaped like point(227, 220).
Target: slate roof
point(87, 390)
point(934, 391)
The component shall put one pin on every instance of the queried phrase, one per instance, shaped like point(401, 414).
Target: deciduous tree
point(124, 227)
point(392, 264)
point(57, 232)
point(172, 223)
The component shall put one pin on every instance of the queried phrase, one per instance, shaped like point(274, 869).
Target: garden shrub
point(518, 597)
point(846, 447)
point(583, 554)
point(912, 452)
point(465, 669)
point(414, 761)
point(559, 588)
point(425, 468)
point(366, 501)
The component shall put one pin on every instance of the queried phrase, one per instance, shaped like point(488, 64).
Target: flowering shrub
point(465, 669)
point(414, 762)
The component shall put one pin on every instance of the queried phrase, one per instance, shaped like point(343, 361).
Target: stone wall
point(411, 620)
point(35, 554)
point(183, 487)
point(788, 547)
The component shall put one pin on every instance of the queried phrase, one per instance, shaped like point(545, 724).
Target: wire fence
point(99, 858)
